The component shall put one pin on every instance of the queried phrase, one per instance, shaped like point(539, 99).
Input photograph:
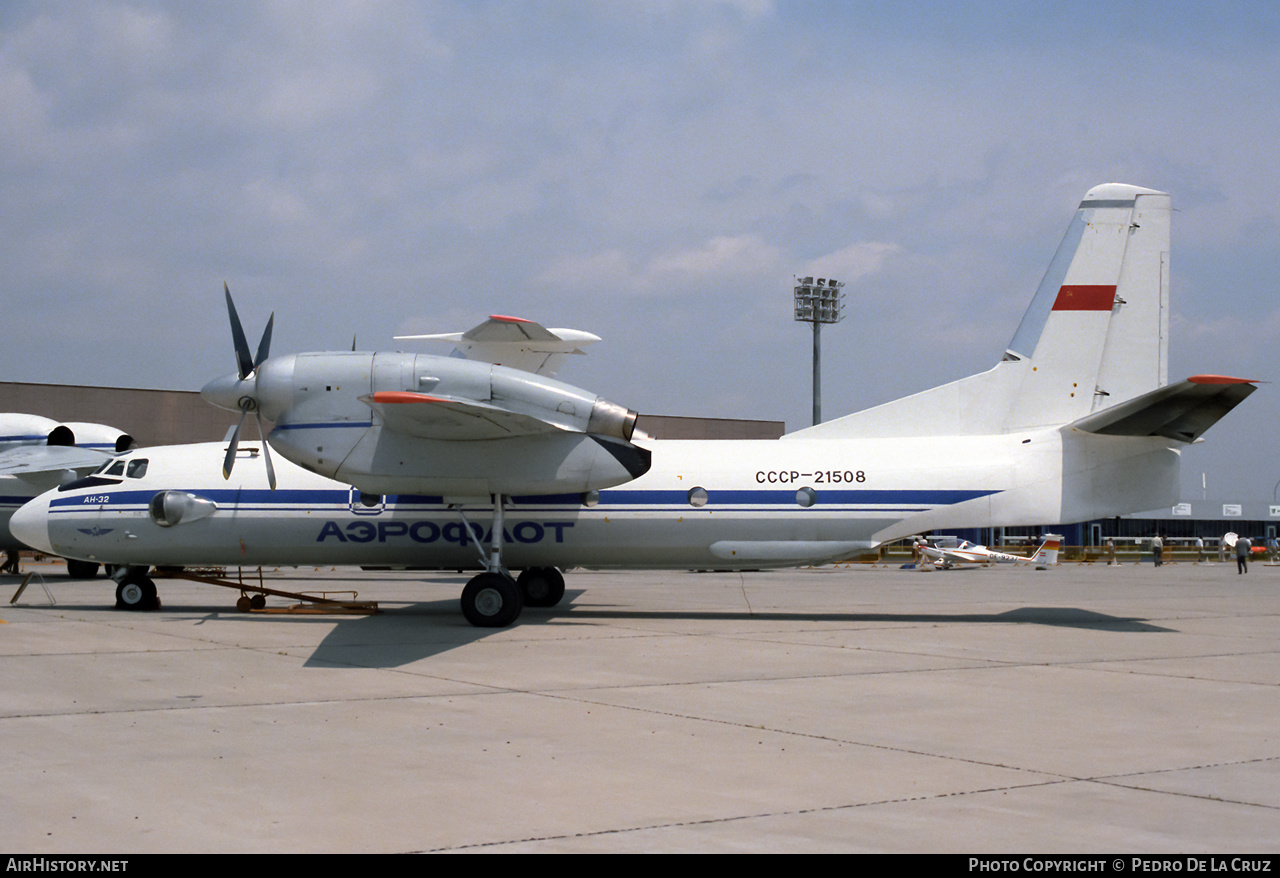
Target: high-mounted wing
point(50, 465)
point(45, 453)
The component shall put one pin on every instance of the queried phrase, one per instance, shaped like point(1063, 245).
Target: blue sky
point(654, 172)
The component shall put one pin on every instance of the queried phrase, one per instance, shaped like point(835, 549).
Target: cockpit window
point(137, 468)
point(116, 468)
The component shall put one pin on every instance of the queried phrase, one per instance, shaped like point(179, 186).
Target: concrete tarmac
point(1081, 709)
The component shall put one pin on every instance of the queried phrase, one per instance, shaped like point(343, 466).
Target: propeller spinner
point(241, 393)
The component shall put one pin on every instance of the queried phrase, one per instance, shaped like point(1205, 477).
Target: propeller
point(247, 366)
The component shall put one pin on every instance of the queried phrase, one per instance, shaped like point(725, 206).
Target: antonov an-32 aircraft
point(401, 456)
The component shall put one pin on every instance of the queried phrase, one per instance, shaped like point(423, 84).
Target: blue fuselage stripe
point(284, 499)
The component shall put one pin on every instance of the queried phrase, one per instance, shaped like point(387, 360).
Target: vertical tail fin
point(1047, 554)
point(1095, 334)
point(1097, 331)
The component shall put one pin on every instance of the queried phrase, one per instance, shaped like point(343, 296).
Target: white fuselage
point(719, 504)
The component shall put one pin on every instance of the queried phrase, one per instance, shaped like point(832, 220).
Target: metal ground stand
point(257, 603)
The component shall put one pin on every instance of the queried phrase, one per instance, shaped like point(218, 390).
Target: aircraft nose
point(30, 525)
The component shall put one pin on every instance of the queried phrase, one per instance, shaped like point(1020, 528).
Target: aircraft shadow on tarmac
point(405, 633)
point(401, 636)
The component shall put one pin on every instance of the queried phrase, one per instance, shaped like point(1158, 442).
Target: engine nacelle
point(170, 508)
point(100, 436)
point(18, 429)
point(21, 429)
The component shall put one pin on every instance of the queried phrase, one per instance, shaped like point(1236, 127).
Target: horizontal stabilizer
point(515, 342)
point(502, 328)
point(1180, 411)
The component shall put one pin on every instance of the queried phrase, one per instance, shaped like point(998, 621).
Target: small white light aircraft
point(396, 453)
point(950, 551)
point(37, 453)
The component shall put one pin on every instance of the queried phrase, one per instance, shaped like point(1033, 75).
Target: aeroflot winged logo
point(429, 532)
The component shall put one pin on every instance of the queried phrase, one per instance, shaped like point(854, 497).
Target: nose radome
point(30, 525)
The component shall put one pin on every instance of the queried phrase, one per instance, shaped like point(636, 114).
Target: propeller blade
point(244, 365)
point(266, 454)
point(230, 460)
point(264, 346)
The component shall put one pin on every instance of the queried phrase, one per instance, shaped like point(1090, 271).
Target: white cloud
point(609, 268)
point(721, 256)
point(852, 262)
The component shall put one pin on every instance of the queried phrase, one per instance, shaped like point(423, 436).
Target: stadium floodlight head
point(821, 302)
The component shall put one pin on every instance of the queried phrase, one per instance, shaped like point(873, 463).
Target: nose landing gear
point(136, 591)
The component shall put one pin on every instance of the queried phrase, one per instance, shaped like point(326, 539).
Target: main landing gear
point(493, 599)
point(541, 586)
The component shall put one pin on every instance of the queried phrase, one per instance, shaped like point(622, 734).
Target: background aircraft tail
point(1047, 554)
point(1096, 334)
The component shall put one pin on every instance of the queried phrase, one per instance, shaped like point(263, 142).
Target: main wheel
point(138, 593)
point(81, 569)
point(491, 600)
point(541, 586)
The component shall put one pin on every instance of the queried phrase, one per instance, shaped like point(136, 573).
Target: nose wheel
point(137, 592)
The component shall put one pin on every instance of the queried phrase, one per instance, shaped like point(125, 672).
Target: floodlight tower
point(818, 303)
